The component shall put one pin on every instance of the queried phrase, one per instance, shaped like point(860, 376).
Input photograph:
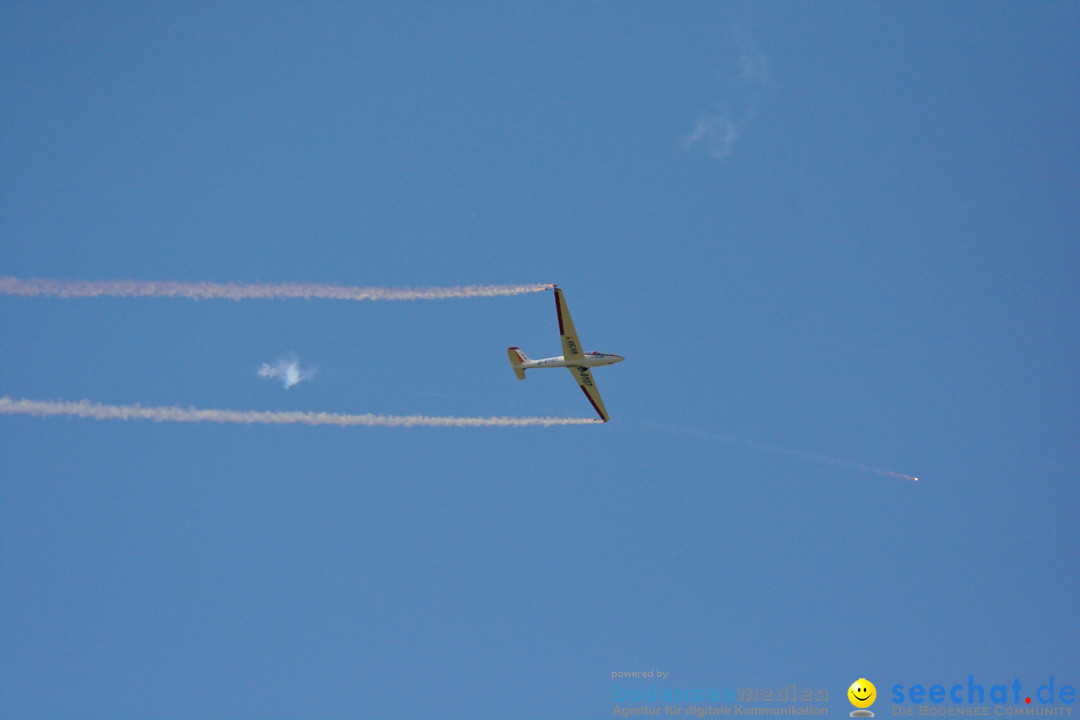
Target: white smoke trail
point(783, 451)
point(44, 287)
point(98, 411)
point(287, 370)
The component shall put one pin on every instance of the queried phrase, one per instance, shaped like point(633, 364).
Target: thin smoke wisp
point(781, 450)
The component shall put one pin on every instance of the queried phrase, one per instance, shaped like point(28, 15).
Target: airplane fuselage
point(584, 360)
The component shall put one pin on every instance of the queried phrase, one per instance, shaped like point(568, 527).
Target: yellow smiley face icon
point(862, 693)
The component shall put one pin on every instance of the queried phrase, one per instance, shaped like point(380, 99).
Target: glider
point(573, 358)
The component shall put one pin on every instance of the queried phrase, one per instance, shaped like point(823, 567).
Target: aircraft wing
point(571, 346)
point(584, 379)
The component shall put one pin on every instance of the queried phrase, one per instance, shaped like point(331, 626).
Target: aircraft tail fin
point(517, 357)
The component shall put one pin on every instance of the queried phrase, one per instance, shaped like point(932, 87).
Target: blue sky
point(845, 230)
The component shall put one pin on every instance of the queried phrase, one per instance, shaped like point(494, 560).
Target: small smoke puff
point(717, 134)
point(287, 370)
point(754, 66)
